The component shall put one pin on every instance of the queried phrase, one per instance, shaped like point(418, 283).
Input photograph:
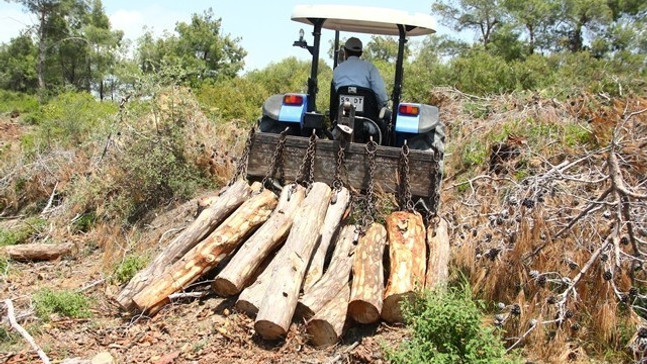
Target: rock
point(103, 358)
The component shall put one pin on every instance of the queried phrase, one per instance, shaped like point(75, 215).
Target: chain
point(405, 198)
point(437, 175)
point(241, 164)
point(306, 170)
point(369, 218)
point(277, 157)
point(337, 182)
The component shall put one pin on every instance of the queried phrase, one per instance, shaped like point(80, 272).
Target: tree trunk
point(208, 253)
point(439, 250)
point(37, 251)
point(407, 256)
point(42, 48)
point(367, 286)
point(331, 224)
point(327, 326)
point(249, 300)
point(337, 275)
point(237, 273)
point(204, 224)
point(280, 300)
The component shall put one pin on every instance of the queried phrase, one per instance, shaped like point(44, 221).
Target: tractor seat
point(362, 98)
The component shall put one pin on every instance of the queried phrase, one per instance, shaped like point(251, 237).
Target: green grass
point(127, 269)
point(64, 302)
point(22, 232)
point(446, 328)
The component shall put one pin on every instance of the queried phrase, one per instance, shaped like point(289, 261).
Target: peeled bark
point(204, 224)
point(280, 300)
point(331, 225)
point(38, 251)
point(327, 326)
point(249, 300)
point(439, 250)
point(407, 256)
point(241, 268)
point(206, 255)
point(337, 275)
point(367, 286)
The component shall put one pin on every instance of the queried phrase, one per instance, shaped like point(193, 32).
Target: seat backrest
point(362, 98)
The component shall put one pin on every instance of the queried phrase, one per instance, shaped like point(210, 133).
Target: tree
point(579, 15)
point(17, 59)
point(482, 16)
point(537, 17)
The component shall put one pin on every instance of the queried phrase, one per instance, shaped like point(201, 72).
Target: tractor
point(353, 143)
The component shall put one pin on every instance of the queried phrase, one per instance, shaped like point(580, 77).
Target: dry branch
point(38, 251)
point(23, 332)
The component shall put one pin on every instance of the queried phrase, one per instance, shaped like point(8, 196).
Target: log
point(439, 250)
point(38, 251)
point(330, 226)
point(202, 226)
point(249, 300)
point(208, 253)
point(337, 275)
point(407, 260)
point(367, 285)
point(241, 268)
point(280, 299)
point(327, 326)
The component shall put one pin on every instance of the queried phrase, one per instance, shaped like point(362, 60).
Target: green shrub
point(236, 98)
point(85, 222)
point(446, 328)
point(4, 266)
point(127, 269)
point(22, 232)
point(17, 102)
point(65, 303)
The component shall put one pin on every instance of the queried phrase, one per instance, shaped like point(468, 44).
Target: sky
point(264, 27)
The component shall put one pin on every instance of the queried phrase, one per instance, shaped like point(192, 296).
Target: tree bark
point(238, 272)
point(280, 299)
point(337, 275)
point(439, 250)
point(208, 253)
point(367, 286)
point(331, 224)
point(327, 326)
point(407, 256)
point(38, 251)
point(204, 224)
point(251, 297)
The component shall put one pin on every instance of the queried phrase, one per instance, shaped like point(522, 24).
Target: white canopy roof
point(362, 19)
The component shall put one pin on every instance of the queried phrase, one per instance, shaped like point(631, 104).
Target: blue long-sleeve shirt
point(357, 72)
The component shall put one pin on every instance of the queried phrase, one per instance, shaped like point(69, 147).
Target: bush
point(17, 102)
point(446, 327)
point(65, 303)
point(21, 233)
point(127, 269)
point(236, 98)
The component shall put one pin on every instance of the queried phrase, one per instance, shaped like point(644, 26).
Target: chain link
point(277, 158)
point(338, 182)
point(306, 169)
point(241, 164)
point(406, 203)
point(369, 217)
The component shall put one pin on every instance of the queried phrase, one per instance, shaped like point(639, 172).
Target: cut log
point(208, 253)
point(202, 226)
point(241, 268)
point(327, 326)
point(439, 250)
point(407, 257)
point(249, 300)
point(337, 275)
point(38, 251)
point(367, 285)
point(331, 225)
point(280, 299)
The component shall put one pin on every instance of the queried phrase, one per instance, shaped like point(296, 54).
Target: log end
point(304, 311)
point(392, 308)
point(322, 333)
point(224, 287)
point(269, 330)
point(363, 312)
point(247, 307)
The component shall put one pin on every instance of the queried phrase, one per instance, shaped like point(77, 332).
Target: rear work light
point(293, 100)
point(409, 110)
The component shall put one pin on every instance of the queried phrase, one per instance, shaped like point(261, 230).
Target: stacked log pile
point(296, 258)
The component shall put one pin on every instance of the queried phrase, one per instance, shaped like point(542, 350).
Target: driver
point(357, 72)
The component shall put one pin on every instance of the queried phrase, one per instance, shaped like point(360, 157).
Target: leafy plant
point(22, 232)
point(446, 327)
point(65, 303)
point(127, 269)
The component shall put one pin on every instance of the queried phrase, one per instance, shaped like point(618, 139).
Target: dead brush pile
point(547, 201)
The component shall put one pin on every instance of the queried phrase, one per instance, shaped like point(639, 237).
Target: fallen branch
point(23, 332)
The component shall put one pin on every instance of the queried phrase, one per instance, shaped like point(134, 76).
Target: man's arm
point(377, 84)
